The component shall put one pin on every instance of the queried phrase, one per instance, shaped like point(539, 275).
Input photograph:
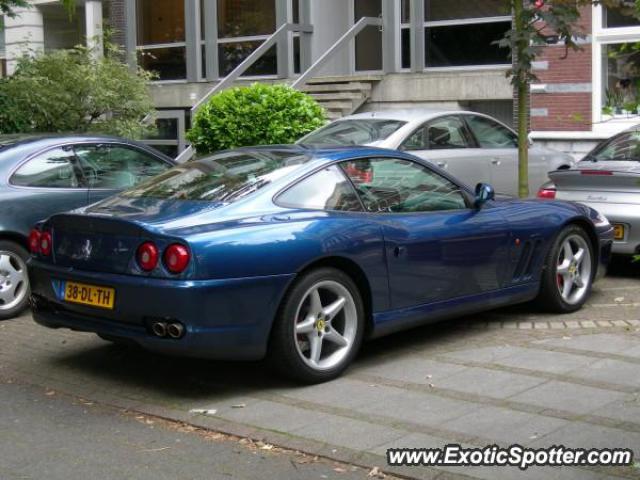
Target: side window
point(442, 133)
point(116, 167)
point(327, 189)
point(400, 186)
point(52, 169)
point(491, 134)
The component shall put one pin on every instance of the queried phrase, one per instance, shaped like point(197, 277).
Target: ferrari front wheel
point(569, 271)
point(319, 328)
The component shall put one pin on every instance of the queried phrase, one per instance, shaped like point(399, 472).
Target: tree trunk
point(522, 90)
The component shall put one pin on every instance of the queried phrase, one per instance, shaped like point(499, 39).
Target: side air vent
point(530, 251)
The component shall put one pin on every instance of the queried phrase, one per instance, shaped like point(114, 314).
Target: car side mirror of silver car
point(484, 193)
point(530, 140)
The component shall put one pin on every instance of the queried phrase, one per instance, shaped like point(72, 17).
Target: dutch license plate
point(100, 297)
point(618, 232)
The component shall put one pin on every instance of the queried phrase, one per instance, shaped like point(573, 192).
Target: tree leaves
point(72, 91)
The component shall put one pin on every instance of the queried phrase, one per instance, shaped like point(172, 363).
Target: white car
point(473, 147)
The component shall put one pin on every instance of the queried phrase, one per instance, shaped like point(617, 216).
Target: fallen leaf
point(376, 473)
point(339, 470)
point(266, 447)
point(431, 385)
point(429, 377)
point(152, 450)
point(618, 299)
point(50, 393)
point(239, 405)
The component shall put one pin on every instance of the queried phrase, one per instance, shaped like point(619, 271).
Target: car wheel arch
point(590, 230)
point(350, 268)
point(15, 237)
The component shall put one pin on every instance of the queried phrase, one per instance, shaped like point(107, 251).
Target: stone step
point(338, 96)
point(337, 87)
point(346, 79)
point(332, 105)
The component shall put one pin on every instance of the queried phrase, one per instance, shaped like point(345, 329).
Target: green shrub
point(72, 91)
point(256, 115)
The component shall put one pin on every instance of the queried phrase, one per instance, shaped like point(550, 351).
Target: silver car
point(473, 147)
point(608, 180)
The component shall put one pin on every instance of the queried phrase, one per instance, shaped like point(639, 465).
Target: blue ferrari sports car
point(299, 254)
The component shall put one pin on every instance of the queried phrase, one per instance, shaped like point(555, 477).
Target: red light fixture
point(596, 172)
point(538, 4)
point(34, 241)
point(176, 258)
point(147, 256)
point(547, 193)
point(46, 243)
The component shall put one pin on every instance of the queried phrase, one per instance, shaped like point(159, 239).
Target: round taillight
point(45, 243)
point(34, 241)
point(176, 258)
point(147, 256)
point(547, 193)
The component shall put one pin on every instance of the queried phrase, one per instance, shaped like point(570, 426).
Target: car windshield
point(223, 178)
point(353, 132)
point(624, 147)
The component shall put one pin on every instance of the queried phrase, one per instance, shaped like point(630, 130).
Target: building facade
point(413, 53)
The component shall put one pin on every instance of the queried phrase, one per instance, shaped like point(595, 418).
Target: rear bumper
point(223, 319)
point(627, 215)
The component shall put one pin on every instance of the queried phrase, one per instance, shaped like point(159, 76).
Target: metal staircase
point(339, 95)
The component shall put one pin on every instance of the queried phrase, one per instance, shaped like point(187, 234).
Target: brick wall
point(567, 105)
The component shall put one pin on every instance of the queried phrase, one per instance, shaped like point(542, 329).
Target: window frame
point(468, 197)
point(118, 145)
point(456, 23)
point(601, 37)
point(73, 146)
point(466, 117)
point(276, 197)
point(473, 142)
point(81, 178)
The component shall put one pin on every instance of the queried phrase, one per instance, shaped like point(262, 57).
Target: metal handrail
point(240, 70)
point(350, 34)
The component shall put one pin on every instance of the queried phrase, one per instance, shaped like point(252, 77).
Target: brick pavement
point(512, 375)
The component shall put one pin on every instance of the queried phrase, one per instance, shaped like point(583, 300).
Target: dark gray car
point(40, 176)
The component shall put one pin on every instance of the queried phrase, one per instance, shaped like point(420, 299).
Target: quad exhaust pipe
point(174, 330)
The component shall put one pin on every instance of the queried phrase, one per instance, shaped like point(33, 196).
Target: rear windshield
point(223, 178)
point(624, 147)
point(353, 132)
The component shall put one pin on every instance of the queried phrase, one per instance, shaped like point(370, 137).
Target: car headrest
point(439, 136)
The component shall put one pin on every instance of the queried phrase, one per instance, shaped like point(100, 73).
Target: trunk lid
point(601, 182)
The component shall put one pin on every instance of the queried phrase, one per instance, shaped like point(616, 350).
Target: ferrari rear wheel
point(569, 271)
point(319, 328)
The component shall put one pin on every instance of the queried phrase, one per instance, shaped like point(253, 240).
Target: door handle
point(496, 161)
point(398, 251)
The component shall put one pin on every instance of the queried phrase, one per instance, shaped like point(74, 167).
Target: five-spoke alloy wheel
point(319, 328)
point(14, 282)
point(569, 271)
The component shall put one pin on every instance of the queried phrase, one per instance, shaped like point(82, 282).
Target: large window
point(242, 26)
point(450, 24)
point(161, 38)
point(616, 54)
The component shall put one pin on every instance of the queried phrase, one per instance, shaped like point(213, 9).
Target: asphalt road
point(46, 435)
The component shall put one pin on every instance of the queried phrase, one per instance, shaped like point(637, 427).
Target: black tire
point(19, 251)
point(284, 349)
point(550, 297)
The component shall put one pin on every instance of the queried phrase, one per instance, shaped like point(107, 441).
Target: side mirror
point(484, 193)
point(530, 140)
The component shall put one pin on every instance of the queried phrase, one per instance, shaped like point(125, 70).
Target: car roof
point(329, 154)
point(27, 144)
point(408, 115)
